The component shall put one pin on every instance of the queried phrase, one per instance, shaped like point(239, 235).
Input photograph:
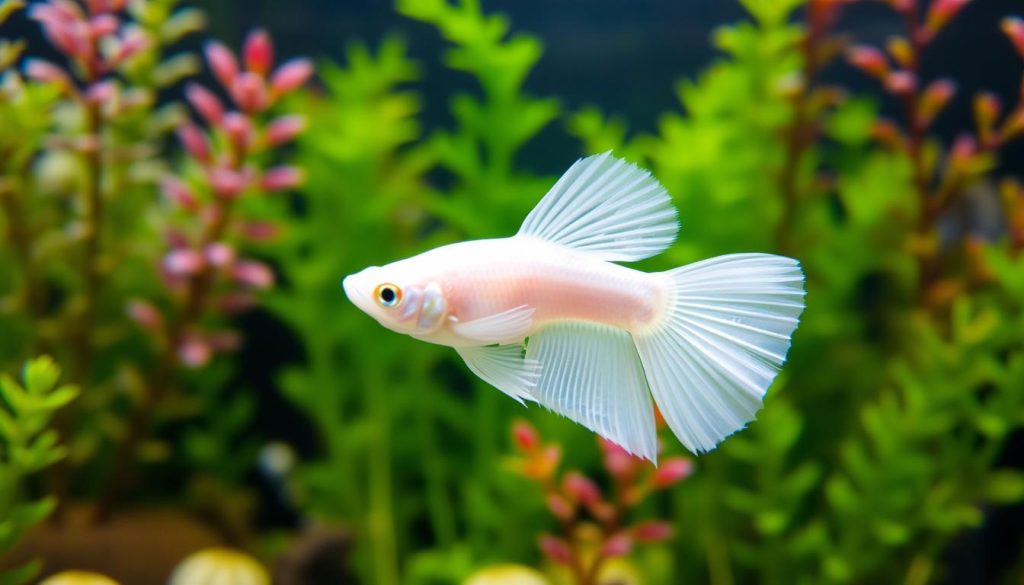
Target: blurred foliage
point(880, 443)
point(27, 446)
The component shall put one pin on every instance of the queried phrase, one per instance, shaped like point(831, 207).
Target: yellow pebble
point(220, 566)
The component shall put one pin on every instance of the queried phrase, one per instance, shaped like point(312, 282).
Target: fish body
point(489, 277)
point(547, 315)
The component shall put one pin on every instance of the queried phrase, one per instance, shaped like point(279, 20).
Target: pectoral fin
point(506, 327)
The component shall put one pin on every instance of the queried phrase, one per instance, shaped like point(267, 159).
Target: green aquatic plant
point(124, 261)
point(895, 314)
point(369, 198)
point(28, 445)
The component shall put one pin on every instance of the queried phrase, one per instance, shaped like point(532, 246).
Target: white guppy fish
point(545, 315)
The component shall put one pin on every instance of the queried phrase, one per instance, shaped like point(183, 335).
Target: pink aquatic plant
point(938, 181)
point(227, 160)
point(578, 501)
point(227, 155)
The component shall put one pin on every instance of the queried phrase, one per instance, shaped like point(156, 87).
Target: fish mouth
point(352, 291)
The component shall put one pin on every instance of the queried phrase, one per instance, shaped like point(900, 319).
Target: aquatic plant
point(368, 193)
point(595, 527)
point(28, 445)
point(134, 233)
point(129, 290)
point(202, 269)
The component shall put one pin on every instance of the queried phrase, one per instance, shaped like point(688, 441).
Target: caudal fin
point(724, 337)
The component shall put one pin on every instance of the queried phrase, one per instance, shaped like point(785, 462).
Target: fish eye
point(388, 295)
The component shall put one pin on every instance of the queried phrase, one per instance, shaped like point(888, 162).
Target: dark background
point(625, 56)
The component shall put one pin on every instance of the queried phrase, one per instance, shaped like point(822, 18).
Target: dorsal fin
point(606, 206)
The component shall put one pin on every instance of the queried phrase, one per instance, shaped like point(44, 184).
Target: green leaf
point(1005, 486)
point(40, 375)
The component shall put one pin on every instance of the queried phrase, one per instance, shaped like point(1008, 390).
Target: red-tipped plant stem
point(609, 527)
point(803, 130)
point(192, 310)
point(932, 204)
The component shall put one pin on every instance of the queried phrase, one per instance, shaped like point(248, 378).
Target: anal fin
point(591, 373)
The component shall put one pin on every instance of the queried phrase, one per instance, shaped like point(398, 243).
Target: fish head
point(410, 306)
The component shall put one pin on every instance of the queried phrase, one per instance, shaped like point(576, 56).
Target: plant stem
point(801, 131)
point(381, 522)
point(81, 337)
point(83, 346)
point(196, 297)
point(929, 212)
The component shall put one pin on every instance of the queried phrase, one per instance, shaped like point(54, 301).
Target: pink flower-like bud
point(179, 193)
point(934, 99)
point(145, 314)
point(101, 92)
point(901, 82)
point(281, 178)
point(284, 129)
point(239, 130)
point(963, 151)
point(581, 488)
point(942, 11)
point(205, 102)
point(227, 183)
point(617, 461)
point(260, 231)
point(103, 25)
point(134, 41)
point(652, 531)
point(1013, 26)
point(223, 63)
point(560, 507)
point(868, 59)
point(183, 262)
point(220, 254)
point(292, 75)
point(194, 141)
point(46, 72)
point(195, 352)
point(618, 545)
point(555, 549)
point(253, 274)
point(672, 471)
point(525, 435)
point(64, 25)
point(258, 52)
point(250, 92)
